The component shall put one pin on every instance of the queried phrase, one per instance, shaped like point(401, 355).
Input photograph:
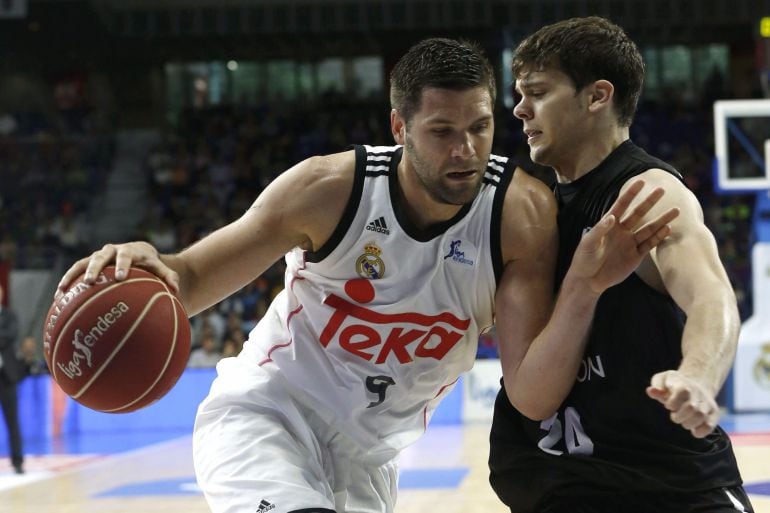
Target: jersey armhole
point(350, 209)
point(495, 243)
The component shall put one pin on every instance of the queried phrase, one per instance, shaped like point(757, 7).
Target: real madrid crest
point(370, 265)
point(762, 367)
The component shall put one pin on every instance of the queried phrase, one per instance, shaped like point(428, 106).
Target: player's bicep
point(690, 241)
point(524, 301)
point(529, 237)
point(295, 210)
point(703, 276)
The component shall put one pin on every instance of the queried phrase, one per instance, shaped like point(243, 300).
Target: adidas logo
point(379, 226)
point(265, 506)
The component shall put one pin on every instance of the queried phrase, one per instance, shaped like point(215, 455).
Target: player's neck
point(590, 154)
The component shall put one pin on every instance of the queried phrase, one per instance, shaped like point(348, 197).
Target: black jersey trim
point(350, 209)
point(495, 243)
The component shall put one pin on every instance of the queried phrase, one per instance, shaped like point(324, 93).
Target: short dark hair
point(442, 63)
point(587, 49)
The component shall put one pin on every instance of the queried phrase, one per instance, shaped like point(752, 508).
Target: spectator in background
point(238, 336)
point(67, 231)
point(8, 124)
point(231, 347)
point(234, 323)
point(254, 299)
point(209, 321)
point(163, 234)
point(32, 363)
point(207, 355)
point(8, 249)
point(10, 374)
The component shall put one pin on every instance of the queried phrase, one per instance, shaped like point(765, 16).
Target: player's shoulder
point(675, 189)
point(529, 217)
point(334, 166)
point(323, 175)
point(529, 195)
point(659, 177)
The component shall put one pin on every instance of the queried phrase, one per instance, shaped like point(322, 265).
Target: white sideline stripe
point(10, 480)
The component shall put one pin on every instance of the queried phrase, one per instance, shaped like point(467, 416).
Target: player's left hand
point(691, 404)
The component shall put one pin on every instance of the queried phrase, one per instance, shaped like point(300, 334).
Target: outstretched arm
point(687, 266)
point(300, 208)
point(541, 347)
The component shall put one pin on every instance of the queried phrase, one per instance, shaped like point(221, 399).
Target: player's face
point(448, 141)
point(554, 116)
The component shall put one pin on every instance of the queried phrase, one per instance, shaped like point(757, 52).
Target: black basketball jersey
point(608, 435)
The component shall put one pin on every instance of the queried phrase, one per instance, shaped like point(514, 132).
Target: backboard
point(742, 145)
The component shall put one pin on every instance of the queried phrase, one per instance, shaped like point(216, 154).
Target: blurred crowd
point(53, 166)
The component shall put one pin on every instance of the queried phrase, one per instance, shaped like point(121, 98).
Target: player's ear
point(600, 95)
point(397, 126)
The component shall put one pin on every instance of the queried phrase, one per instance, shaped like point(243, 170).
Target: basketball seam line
point(165, 365)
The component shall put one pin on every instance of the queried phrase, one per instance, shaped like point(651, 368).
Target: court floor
point(152, 472)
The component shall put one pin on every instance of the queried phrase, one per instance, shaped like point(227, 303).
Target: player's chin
point(540, 155)
point(465, 191)
point(465, 197)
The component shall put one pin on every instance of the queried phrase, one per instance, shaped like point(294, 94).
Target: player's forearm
point(186, 280)
point(710, 339)
point(544, 377)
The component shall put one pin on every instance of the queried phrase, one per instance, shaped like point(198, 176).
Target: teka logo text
point(373, 335)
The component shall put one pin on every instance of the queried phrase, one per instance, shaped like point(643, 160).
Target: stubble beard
point(437, 190)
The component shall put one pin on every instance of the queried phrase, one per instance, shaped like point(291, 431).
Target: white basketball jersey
point(374, 329)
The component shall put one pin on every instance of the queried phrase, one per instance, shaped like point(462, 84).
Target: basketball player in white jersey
point(397, 258)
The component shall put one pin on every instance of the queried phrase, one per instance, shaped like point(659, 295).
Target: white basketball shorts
point(257, 450)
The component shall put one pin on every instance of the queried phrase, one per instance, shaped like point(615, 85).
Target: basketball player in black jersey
point(638, 430)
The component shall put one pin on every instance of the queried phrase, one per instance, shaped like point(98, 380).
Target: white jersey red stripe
point(374, 329)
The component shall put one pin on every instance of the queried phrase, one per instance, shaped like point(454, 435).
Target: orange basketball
point(117, 346)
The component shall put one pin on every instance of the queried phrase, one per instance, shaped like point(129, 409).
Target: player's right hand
point(122, 256)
